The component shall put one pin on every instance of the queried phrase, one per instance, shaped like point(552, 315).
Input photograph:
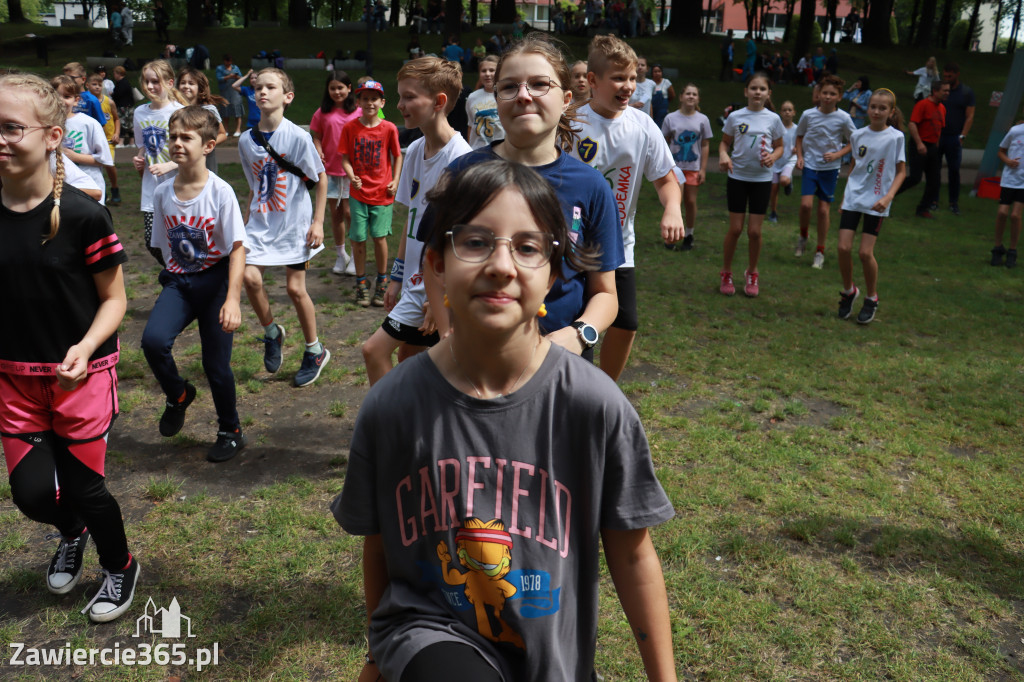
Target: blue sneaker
point(272, 351)
point(312, 365)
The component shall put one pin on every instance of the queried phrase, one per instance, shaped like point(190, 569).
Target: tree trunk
point(999, 18)
point(453, 20)
point(765, 6)
point(803, 31)
point(298, 14)
point(503, 12)
point(912, 35)
point(972, 25)
point(194, 15)
point(876, 24)
point(788, 33)
point(926, 26)
point(474, 17)
point(14, 12)
point(685, 20)
point(830, 14)
point(1012, 46)
point(944, 22)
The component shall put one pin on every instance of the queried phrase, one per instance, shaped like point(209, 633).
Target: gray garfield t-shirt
point(490, 512)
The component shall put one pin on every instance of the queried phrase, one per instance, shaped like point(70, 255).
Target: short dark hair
point(459, 197)
point(196, 118)
point(937, 84)
point(952, 67)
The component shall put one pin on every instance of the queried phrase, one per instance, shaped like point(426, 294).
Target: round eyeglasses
point(475, 244)
point(15, 132)
point(537, 87)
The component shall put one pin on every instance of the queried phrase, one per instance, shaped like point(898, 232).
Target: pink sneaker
point(750, 288)
point(727, 288)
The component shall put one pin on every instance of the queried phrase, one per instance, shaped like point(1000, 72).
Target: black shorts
point(625, 289)
point(1011, 195)
point(747, 197)
point(848, 221)
point(408, 334)
point(299, 266)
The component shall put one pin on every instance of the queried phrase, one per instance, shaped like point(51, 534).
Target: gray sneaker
point(272, 351)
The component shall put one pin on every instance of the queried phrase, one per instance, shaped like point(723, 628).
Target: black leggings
point(82, 500)
point(449, 660)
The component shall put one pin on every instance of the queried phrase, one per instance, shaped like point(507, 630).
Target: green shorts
point(375, 220)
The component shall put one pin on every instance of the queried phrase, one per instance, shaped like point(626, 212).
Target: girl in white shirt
point(879, 166)
point(153, 161)
point(751, 144)
point(782, 176)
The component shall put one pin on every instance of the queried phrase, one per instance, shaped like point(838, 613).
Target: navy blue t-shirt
point(959, 99)
point(590, 213)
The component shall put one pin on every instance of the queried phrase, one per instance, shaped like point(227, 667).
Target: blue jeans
point(187, 297)
point(951, 149)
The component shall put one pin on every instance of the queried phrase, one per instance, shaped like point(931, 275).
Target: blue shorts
point(821, 184)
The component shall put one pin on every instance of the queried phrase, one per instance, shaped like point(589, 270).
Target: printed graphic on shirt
point(686, 141)
point(587, 149)
point(189, 238)
point(368, 152)
point(272, 191)
point(743, 128)
point(414, 189)
point(154, 139)
point(75, 141)
point(484, 122)
point(862, 150)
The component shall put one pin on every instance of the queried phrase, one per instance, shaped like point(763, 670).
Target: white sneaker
point(237, 134)
point(819, 260)
point(800, 246)
point(350, 269)
point(339, 264)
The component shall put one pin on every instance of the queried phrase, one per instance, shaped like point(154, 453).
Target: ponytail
point(896, 119)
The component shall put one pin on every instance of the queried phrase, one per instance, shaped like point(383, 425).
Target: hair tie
point(56, 202)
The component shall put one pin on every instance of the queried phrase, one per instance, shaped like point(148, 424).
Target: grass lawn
point(847, 496)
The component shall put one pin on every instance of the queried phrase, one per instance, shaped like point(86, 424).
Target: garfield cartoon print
point(484, 548)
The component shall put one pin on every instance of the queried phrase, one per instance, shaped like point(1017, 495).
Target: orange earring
point(446, 302)
point(543, 311)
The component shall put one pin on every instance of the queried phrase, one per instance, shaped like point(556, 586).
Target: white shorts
point(338, 186)
point(786, 170)
point(409, 309)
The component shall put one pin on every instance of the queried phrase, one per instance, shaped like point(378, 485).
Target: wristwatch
point(586, 333)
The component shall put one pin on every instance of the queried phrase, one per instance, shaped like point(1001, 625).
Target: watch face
point(589, 334)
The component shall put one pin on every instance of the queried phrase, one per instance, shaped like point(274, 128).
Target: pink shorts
point(39, 404)
point(687, 177)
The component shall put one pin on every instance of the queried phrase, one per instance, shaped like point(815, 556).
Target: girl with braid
point(60, 269)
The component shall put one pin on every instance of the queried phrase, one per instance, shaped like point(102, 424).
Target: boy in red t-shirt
point(926, 123)
point(372, 158)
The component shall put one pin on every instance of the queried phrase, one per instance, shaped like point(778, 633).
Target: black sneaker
point(1011, 258)
point(173, 417)
point(687, 243)
point(312, 365)
point(272, 351)
point(115, 595)
point(66, 565)
point(229, 444)
point(846, 303)
point(997, 254)
point(788, 189)
point(954, 209)
point(867, 313)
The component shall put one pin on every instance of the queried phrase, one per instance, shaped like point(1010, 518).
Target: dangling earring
point(447, 304)
point(543, 311)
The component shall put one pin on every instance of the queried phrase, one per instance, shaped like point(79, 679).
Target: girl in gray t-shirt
point(487, 473)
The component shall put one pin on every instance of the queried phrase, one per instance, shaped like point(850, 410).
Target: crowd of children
point(518, 252)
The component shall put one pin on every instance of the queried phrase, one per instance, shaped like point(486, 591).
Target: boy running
point(372, 159)
point(622, 142)
point(822, 139)
point(282, 227)
point(198, 226)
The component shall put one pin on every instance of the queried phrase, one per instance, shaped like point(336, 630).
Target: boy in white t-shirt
point(198, 226)
point(644, 93)
point(624, 144)
point(822, 139)
point(282, 227)
point(1011, 195)
point(482, 107)
point(84, 140)
point(428, 89)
